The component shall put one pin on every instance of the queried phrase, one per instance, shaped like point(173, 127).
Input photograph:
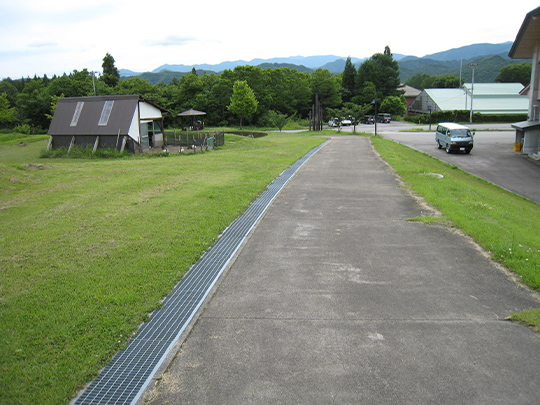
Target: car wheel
point(439, 146)
point(448, 148)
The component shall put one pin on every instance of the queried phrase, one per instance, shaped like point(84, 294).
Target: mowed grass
point(503, 223)
point(88, 248)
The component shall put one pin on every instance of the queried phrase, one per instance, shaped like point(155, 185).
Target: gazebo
point(192, 113)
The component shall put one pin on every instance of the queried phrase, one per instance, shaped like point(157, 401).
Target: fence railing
point(199, 139)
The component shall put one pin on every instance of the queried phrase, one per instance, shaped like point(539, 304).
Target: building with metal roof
point(485, 98)
point(410, 93)
point(527, 45)
point(117, 122)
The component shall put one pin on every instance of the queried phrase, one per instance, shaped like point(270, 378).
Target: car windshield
point(460, 133)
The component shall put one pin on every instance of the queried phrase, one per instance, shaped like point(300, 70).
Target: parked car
point(385, 118)
point(454, 137)
point(334, 122)
point(367, 119)
point(346, 122)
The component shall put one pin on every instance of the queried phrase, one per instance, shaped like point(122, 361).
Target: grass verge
point(88, 248)
point(503, 223)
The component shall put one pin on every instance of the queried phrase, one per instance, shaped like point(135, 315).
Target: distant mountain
point(409, 67)
point(214, 68)
point(128, 73)
point(312, 62)
point(446, 62)
point(487, 68)
point(471, 51)
point(167, 76)
point(300, 68)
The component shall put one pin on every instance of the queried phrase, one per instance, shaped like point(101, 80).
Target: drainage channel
point(125, 378)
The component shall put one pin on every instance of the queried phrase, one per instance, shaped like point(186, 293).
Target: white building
point(485, 98)
point(527, 45)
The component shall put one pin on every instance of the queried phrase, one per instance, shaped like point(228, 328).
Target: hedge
point(464, 116)
point(252, 134)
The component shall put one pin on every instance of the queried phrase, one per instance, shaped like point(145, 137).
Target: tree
point(54, 104)
point(134, 85)
point(190, 86)
point(394, 105)
point(446, 82)
point(327, 86)
point(348, 80)
point(421, 81)
point(381, 70)
point(34, 103)
point(366, 94)
point(7, 86)
point(515, 74)
point(111, 76)
point(77, 84)
point(277, 119)
point(243, 101)
point(6, 112)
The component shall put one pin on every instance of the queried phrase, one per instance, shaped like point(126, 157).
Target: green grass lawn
point(90, 247)
point(503, 223)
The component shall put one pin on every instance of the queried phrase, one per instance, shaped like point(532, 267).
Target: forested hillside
point(29, 103)
point(284, 89)
point(486, 70)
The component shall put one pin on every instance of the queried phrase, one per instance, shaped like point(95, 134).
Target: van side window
point(441, 129)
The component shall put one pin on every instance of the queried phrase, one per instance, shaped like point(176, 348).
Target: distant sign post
point(375, 102)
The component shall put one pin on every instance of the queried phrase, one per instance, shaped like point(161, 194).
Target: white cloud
point(60, 36)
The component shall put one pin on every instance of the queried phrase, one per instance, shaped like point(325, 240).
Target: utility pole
point(93, 82)
point(472, 92)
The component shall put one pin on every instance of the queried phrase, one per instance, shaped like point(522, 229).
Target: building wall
point(421, 105)
point(105, 141)
point(534, 91)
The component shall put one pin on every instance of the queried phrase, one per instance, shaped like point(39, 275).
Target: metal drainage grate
point(130, 371)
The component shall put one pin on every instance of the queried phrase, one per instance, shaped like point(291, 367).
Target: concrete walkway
point(336, 298)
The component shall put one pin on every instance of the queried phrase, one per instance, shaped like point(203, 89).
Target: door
point(145, 145)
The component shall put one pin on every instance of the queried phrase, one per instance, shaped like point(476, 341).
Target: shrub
point(23, 129)
point(464, 116)
point(251, 134)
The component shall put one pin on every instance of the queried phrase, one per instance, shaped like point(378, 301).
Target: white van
point(454, 137)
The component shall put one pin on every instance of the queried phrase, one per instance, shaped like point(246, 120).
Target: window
point(77, 114)
point(106, 113)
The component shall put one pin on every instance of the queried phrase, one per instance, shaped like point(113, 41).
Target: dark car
point(368, 119)
point(385, 118)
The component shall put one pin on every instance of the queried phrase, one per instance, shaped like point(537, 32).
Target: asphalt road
point(492, 158)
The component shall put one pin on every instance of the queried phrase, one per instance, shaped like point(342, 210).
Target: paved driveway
point(336, 298)
point(493, 157)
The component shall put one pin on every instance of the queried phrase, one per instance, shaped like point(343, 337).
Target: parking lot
point(492, 158)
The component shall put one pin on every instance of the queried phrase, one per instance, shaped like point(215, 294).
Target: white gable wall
point(149, 112)
point(144, 112)
point(134, 130)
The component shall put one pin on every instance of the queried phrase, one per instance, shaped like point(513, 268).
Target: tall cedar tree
point(111, 75)
point(348, 80)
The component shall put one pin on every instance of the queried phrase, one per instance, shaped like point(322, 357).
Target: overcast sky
point(59, 36)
